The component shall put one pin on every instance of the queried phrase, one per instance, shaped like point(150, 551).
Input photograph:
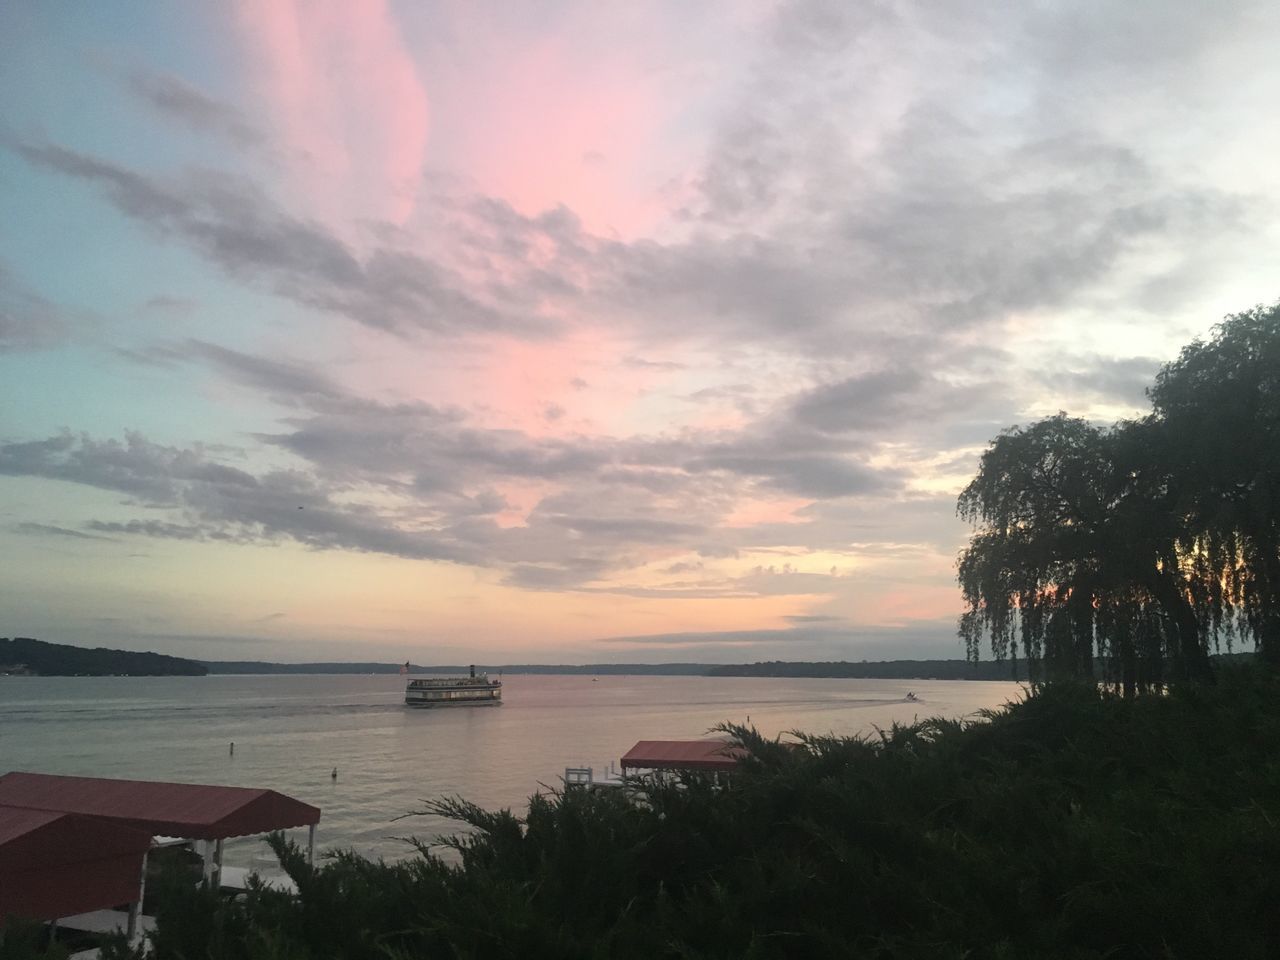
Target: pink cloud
point(579, 141)
point(345, 96)
point(554, 116)
point(919, 601)
point(750, 512)
point(538, 387)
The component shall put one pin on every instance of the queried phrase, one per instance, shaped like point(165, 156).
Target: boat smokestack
point(473, 670)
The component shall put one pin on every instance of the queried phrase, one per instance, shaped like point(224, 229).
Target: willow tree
point(1217, 408)
point(1076, 555)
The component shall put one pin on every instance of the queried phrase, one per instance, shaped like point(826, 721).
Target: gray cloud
point(28, 322)
point(936, 221)
point(902, 526)
point(280, 379)
point(785, 581)
point(48, 530)
point(242, 231)
point(805, 27)
point(926, 640)
point(865, 401)
point(165, 304)
point(207, 639)
point(331, 505)
point(686, 590)
point(893, 198)
point(648, 529)
point(761, 581)
point(807, 476)
point(430, 474)
point(545, 576)
point(640, 363)
point(683, 566)
point(1115, 379)
point(893, 180)
point(179, 100)
point(136, 467)
point(166, 531)
point(219, 502)
point(732, 637)
point(898, 403)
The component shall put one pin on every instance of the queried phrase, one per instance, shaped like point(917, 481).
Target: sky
point(584, 331)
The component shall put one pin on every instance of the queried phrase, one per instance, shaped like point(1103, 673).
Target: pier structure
point(60, 815)
point(55, 865)
point(715, 756)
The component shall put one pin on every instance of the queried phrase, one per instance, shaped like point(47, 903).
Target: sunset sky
point(559, 331)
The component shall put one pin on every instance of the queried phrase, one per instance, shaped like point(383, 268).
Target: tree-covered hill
point(910, 669)
point(878, 669)
point(61, 660)
point(881, 669)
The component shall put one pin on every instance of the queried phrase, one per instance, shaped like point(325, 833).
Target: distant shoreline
point(871, 670)
point(27, 657)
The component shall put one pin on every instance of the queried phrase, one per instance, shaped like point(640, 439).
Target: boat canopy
point(192, 811)
point(682, 755)
point(58, 864)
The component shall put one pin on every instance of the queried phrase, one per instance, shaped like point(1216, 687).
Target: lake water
point(291, 731)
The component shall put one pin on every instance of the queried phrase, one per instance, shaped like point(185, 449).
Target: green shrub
point(1071, 824)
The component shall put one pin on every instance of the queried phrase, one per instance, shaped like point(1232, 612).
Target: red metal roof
point(57, 864)
point(187, 810)
point(682, 755)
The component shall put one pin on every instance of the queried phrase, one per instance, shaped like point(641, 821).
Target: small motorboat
point(911, 697)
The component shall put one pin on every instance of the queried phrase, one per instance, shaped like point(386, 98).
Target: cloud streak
point(50, 530)
point(28, 322)
point(242, 232)
point(176, 98)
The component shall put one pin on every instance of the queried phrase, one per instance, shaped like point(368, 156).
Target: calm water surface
point(290, 732)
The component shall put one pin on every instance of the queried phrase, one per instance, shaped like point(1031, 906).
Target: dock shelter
point(191, 811)
point(710, 755)
point(55, 865)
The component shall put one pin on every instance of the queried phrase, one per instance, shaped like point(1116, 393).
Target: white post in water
point(311, 844)
point(135, 908)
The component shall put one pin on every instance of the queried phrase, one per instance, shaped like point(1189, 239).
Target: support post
point(311, 844)
point(217, 864)
point(206, 856)
point(135, 908)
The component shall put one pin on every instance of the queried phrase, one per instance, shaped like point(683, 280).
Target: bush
point(1071, 824)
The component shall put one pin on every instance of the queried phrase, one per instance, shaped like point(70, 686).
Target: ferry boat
point(469, 691)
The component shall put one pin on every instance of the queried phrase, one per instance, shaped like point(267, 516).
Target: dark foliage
point(1217, 409)
point(1075, 823)
point(61, 660)
point(1148, 544)
point(27, 940)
